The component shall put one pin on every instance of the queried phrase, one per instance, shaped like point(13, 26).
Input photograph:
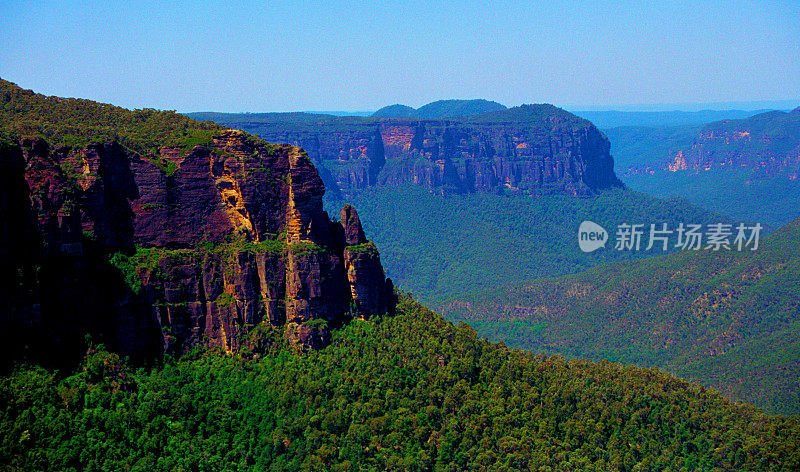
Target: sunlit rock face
point(533, 149)
point(236, 235)
point(768, 143)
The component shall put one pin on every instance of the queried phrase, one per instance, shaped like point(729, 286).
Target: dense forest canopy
point(442, 247)
point(77, 122)
point(409, 392)
point(729, 319)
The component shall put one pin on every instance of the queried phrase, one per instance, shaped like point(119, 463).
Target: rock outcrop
point(366, 279)
point(229, 235)
point(351, 225)
point(62, 287)
point(18, 252)
point(533, 149)
point(768, 143)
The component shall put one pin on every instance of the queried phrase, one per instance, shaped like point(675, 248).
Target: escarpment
point(188, 246)
point(768, 143)
point(532, 149)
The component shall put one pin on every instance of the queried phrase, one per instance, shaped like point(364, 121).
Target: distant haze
point(753, 105)
point(314, 55)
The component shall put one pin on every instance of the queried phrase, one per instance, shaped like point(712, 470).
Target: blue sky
point(308, 55)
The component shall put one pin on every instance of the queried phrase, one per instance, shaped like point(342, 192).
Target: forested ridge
point(725, 318)
point(740, 194)
point(408, 392)
point(443, 247)
point(77, 122)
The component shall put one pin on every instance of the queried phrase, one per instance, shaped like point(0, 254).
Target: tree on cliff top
point(76, 122)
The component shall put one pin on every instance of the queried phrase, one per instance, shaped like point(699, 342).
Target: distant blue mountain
point(440, 109)
point(613, 119)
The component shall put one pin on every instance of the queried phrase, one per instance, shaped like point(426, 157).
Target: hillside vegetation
point(77, 122)
point(727, 319)
point(410, 392)
point(440, 247)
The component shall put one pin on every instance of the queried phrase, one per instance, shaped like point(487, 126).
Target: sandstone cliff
point(768, 143)
point(532, 149)
point(230, 235)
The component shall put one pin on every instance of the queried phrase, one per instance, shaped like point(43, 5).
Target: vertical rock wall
point(533, 149)
point(231, 235)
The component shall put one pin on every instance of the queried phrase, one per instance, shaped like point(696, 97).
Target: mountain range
point(154, 232)
point(262, 334)
point(767, 142)
point(742, 168)
point(531, 149)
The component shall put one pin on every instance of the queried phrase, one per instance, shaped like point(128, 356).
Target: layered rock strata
point(533, 149)
point(768, 143)
point(228, 235)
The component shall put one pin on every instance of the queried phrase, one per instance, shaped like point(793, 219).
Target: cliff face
point(533, 158)
point(232, 234)
point(18, 254)
point(534, 149)
point(768, 142)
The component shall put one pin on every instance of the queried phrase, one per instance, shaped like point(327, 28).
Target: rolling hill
point(727, 319)
point(443, 246)
point(440, 109)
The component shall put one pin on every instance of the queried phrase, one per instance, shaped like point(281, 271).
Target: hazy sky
point(306, 55)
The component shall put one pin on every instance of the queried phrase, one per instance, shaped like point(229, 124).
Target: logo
point(591, 236)
point(631, 237)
